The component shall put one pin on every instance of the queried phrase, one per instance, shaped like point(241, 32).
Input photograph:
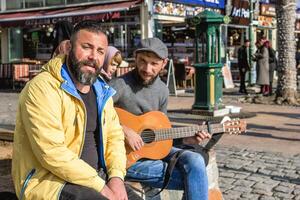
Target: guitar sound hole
point(148, 136)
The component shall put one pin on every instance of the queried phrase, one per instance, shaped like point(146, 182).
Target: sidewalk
point(273, 129)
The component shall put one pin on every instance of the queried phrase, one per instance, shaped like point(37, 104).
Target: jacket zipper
point(28, 177)
point(101, 157)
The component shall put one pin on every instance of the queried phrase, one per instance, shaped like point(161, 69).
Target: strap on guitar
point(213, 140)
point(169, 170)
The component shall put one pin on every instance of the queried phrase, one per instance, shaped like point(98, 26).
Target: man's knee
point(194, 160)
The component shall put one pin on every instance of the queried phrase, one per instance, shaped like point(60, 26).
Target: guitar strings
point(149, 136)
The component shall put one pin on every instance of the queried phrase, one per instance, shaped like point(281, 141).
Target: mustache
point(91, 63)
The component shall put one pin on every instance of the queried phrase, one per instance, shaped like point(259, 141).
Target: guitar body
point(153, 120)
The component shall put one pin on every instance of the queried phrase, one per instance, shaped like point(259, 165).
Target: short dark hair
point(89, 25)
point(247, 41)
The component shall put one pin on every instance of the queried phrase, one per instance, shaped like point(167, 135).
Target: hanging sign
point(266, 21)
point(206, 3)
point(268, 10)
point(179, 10)
point(240, 12)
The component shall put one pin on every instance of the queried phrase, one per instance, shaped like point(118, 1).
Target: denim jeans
point(189, 174)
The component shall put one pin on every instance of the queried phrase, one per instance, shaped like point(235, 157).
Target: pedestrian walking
point(243, 64)
point(262, 63)
point(272, 64)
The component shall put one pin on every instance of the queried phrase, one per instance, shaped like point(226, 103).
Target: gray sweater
point(137, 99)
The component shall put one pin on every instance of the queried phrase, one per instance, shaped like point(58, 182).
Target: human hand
point(199, 137)
point(133, 139)
point(108, 193)
point(118, 188)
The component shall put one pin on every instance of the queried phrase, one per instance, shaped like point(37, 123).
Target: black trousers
point(78, 192)
point(242, 81)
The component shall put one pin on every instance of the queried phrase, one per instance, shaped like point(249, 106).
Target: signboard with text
point(268, 10)
point(240, 12)
point(177, 9)
point(206, 3)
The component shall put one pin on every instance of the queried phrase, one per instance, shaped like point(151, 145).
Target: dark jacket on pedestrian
point(243, 60)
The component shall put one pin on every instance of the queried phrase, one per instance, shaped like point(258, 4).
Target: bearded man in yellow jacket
point(68, 143)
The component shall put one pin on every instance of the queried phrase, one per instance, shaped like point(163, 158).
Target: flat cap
point(153, 45)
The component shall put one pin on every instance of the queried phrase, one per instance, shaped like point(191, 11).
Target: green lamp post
point(208, 64)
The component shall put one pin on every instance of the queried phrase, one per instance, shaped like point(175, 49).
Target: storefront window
point(13, 5)
point(15, 44)
point(33, 3)
point(76, 1)
point(37, 43)
point(236, 38)
point(54, 2)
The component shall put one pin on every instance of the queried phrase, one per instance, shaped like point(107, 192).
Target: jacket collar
point(101, 88)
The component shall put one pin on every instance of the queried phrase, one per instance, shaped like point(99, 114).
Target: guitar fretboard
point(182, 132)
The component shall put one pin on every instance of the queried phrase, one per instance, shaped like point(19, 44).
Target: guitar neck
point(182, 132)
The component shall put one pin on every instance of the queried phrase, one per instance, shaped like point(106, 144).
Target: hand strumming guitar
point(133, 139)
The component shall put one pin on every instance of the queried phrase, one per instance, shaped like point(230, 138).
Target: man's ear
point(68, 46)
point(165, 62)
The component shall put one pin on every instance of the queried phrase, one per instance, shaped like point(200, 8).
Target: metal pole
point(251, 39)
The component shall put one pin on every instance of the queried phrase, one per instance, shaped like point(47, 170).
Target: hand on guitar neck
point(197, 138)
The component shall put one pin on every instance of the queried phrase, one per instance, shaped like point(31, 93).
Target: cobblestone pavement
point(249, 175)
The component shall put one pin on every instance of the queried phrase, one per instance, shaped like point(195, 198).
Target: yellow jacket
point(50, 131)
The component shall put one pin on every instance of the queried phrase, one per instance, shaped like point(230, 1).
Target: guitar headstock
point(235, 126)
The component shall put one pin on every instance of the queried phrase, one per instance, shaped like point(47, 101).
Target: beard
point(85, 78)
point(140, 79)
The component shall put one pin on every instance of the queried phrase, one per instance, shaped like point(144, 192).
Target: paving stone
point(244, 183)
point(262, 192)
point(283, 189)
point(256, 178)
point(263, 197)
point(241, 189)
point(282, 195)
point(241, 175)
point(262, 186)
point(233, 194)
point(286, 184)
point(227, 174)
point(264, 171)
point(250, 168)
point(292, 175)
point(296, 191)
point(277, 173)
point(250, 196)
point(271, 182)
point(297, 197)
point(226, 180)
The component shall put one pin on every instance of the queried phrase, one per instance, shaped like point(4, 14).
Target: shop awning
point(11, 19)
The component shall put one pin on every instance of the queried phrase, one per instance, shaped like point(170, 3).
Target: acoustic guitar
point(155, 129)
